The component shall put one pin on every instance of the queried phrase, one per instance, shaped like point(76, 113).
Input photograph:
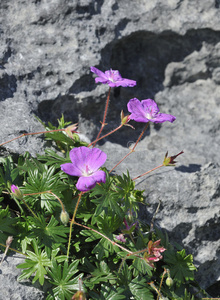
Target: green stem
point(28, 207)
point(71, 224)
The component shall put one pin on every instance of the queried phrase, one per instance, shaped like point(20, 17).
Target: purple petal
point(13, 188)
point(160, 118)
point(78, 157)
point(95, 159)
point(125, 82)
point(150, 107)
point(97, 72)
point(137, 111)
point(85, 184)
point(102, 80)
point(70, 169)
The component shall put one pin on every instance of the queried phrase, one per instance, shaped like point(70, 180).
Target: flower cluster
point(86, 162)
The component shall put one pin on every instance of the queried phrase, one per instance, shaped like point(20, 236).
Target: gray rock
point(172, 50)
point(9, 286)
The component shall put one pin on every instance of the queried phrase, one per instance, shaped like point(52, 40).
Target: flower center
point(150, 113)
point(87, 172)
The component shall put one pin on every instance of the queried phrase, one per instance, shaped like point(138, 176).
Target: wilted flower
point(121, 238)
point(16, 192)
point(147, 110)
point(112, 78)
point(154, 249)
point(85, 164)
point(153, 253)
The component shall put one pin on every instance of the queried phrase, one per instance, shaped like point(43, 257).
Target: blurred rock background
point(172, 49)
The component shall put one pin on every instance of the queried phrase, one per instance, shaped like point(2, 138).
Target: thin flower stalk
point(102, 137)
point(31, 133)
point(71, 224)
point(132, 150)
point(113, 243)
point(61, 203)
point(104, 117)
point(28, 207)
point(160, 166)
point(44, 192)
point(161, 282)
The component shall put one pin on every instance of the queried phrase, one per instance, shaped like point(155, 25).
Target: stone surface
point(9, 286)
point(172, 49)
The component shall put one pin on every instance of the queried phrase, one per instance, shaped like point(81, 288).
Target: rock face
point(172, 49)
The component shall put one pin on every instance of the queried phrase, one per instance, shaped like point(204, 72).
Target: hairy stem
point(104, 117)
point(148, 172)
point(113, 243)
point(31, 133)
point(102, 137)
point(132, 150)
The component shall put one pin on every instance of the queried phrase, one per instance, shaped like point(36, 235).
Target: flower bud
point(169, 281)
point(64, 217)
point(70, 130)
point(170, 161)
point(124, 119)
point(16, 192)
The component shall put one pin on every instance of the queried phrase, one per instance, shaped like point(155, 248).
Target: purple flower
point(147, 110)
point(85, 164)
point(13, 188)
point(112, 78)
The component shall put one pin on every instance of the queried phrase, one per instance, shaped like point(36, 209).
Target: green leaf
point(40, 179)
point(62, 276)
point(140, 289)
point(182, 267)
point(108, 293)
point(49, 233)
point(6, 225)
point(36, 262)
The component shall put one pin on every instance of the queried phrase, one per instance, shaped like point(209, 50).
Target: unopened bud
point(125, 120)
point(170, 161)
point(64, 217)
point(16, 192)
point(169, 281)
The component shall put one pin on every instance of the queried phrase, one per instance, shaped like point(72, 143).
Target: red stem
point(132, 150)
point(104, 117)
